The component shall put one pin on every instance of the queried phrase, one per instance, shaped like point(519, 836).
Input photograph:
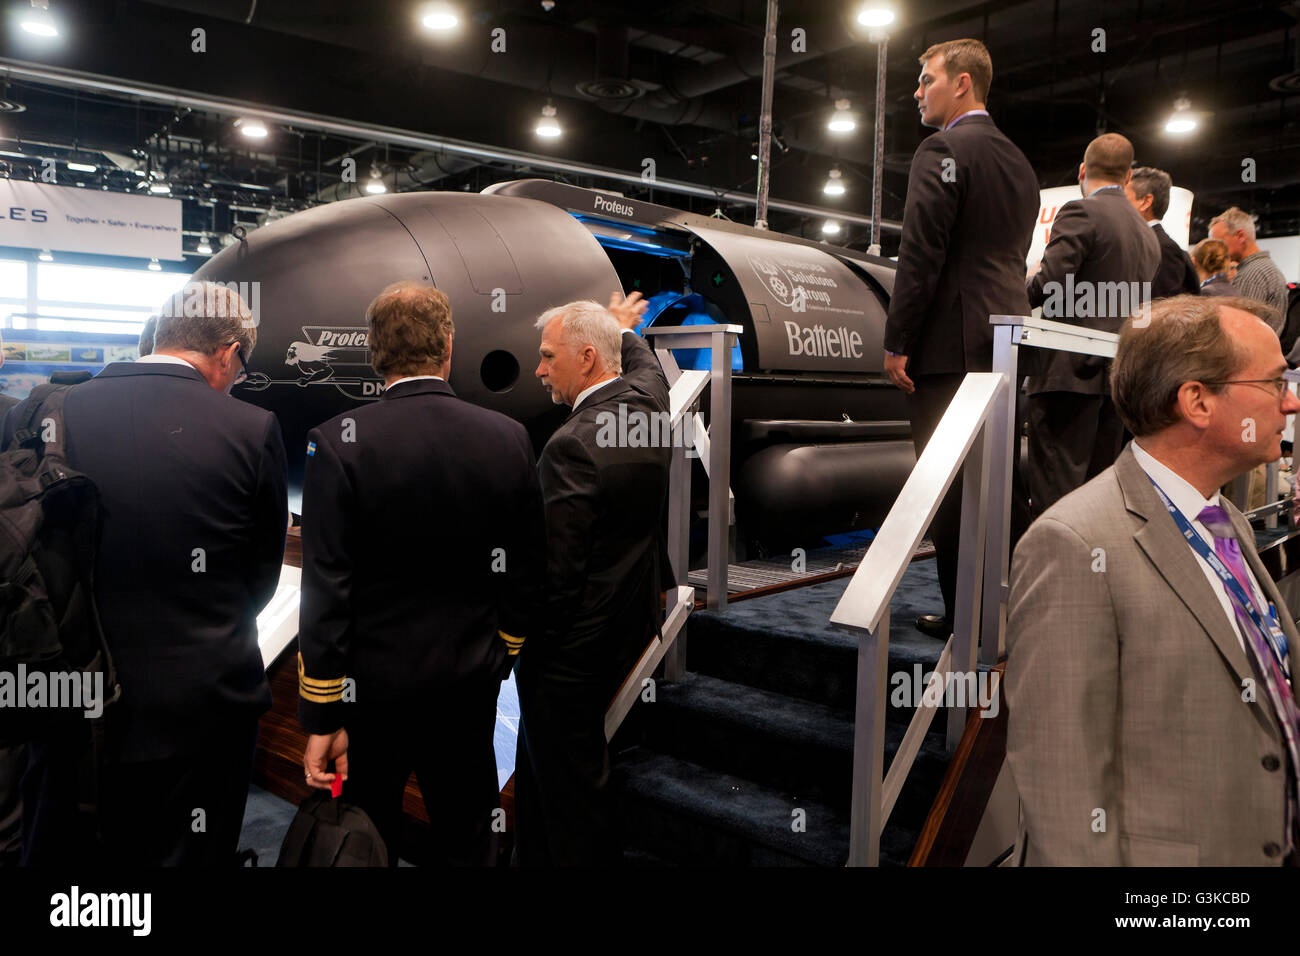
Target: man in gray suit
point(1150, 657)
point(1096, 269)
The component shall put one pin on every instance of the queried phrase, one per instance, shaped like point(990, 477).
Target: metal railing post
point(679, 541)
point(1003, 455)
point(869, 746)
point(719, 467)
point(970, 569)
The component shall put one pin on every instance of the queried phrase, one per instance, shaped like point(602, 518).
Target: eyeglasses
point(243, 365)
point(1277, 385)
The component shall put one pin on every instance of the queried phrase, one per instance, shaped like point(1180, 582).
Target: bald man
point(1097, 268)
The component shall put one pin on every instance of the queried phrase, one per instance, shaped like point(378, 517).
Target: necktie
point(1280, 694)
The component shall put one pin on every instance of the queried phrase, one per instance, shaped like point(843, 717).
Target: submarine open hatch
point(820, 441)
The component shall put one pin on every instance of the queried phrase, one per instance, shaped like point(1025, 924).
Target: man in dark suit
point(423, 546)
point(1096, 270)
point(193, 489)
point(972, 199)
point(1148, 191)
point(604, 499)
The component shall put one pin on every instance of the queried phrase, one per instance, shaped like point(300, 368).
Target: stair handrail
point(713, 446)
point(977, 433)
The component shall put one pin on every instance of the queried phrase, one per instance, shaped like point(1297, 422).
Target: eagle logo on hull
point(328, 355)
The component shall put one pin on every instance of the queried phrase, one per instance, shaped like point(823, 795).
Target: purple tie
point(1279, 690)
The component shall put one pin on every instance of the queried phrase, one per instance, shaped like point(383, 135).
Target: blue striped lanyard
point(1273, 636)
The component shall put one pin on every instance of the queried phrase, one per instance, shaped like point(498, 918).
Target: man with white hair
point(604, 520)
point(1257, 277)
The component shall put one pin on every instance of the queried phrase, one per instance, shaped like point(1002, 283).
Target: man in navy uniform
point(605, 571)
point(423, 541)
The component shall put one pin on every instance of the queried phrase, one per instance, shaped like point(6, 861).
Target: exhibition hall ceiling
point(674, 83)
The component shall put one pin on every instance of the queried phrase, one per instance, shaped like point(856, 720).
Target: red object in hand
point(336, 788)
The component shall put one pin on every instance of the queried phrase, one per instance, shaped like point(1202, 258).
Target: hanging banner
point(1177, 220)
point(69, 219)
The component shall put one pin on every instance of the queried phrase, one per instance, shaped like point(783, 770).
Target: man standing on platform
point(972, 199)
point(1096, 270)
point(422, 545)
point(1150, 658)
point(604, 523)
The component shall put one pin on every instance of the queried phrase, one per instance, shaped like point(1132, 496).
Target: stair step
point(770, 738)
point(679, 812)
point(785, 642)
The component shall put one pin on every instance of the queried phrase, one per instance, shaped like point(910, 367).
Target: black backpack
point(50, 526)
point(329, 832)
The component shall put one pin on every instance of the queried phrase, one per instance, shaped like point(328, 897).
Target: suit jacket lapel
point(1173, 557)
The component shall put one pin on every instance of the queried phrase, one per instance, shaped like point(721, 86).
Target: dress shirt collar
point(1180, 491)
point(958, 119)
point(166, 359)
point(1102, 188)
point(414, 378)
point(591, 388)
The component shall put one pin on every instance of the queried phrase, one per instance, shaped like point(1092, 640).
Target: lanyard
point(1276, 644)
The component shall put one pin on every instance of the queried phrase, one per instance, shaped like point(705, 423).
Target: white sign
point(69, 219)
point(1177, 220)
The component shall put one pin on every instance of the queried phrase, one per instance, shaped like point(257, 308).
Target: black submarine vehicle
point(820, 441)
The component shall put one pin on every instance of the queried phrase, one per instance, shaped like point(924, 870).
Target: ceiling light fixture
point(1183, 119)
point(440, 17)
point(37, 21)
point(250, 127)
point(376, 184)
point(205, 247)
point(842, 120)
point(46, 256)
point(831, 228)
point(548, 125)
point(160, 189)
point(83, 168)
point(875, 16)
point(834, 183)
point(155, 265)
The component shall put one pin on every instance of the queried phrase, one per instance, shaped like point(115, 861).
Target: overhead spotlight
point(1183, 119)
point(37, 21)
point(548, 125)
point(842, 120)
point(753, 156)
point(205, 247)
point(250, 127)
point(155, 265)
point(875, 16)
point(834, 183)
point(46, 256)
point(440, 17)
point(160, 189)
point(831, 228)
point(548, 5)
point(376, 183)
point(83, 167)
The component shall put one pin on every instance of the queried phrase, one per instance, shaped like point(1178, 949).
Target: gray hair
point(146, 335)
point(585, 322)
point(1183, 341)
point(1156, 183)
point(205, 317)
point(1234, 219)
